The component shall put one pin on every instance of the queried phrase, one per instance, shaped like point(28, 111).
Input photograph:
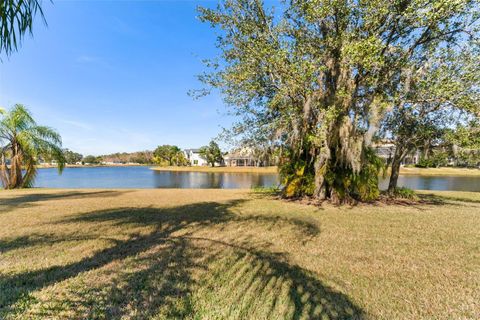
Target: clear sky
point(113, 76)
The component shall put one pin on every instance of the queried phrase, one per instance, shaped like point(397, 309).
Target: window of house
point(195, 161)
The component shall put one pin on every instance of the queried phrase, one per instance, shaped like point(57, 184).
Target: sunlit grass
point(232, 254)
point(445, 171)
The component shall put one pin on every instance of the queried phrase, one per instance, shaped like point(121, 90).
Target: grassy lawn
point(220, 169)
point(447, 171)
point(230, 254)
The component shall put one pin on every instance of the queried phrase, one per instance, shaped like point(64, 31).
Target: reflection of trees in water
point(436, 183)
point(442, 183)
point(167, 179)
point(213, 180)
point(248, 180)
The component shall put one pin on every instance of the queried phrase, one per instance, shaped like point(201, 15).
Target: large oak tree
point(317, 76)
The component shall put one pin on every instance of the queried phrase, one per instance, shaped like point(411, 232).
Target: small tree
point(170, 155)
point(465, 143)
point(433, 94)
point(72, 157)
point(22, 143)
point(91, 159)
point(211, 153)
point(166, 153)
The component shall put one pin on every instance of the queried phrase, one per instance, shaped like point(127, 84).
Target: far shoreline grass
point(443, 171)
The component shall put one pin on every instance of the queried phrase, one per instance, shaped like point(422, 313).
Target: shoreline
point(441, 172)
point(404, 171)
point(218, 169)
point(93, 166)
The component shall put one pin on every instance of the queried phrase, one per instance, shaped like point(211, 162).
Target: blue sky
point(113, 76)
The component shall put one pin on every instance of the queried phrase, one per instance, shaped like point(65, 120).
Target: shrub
point(405, 193)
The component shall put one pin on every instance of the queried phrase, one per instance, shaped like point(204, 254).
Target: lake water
point(143, 177)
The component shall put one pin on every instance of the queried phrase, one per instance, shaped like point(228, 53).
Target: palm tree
point(22, 144)
point(16, 19)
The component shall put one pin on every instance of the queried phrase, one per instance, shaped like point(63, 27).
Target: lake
point(143, 177)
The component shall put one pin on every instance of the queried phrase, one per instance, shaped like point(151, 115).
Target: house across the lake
point(244, 157)
point(194, 158)
point(386, 150)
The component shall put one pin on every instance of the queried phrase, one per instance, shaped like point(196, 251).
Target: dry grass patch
point(230, 254)
point(446, 171)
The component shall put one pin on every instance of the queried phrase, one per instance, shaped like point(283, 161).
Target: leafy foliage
point(465, 142)
point(316, 78)
point(169, 155)
point(435, 94)
point(72, 157)
point(211, 153)
point(405, 193)
point(91, 159)
point(142, 157)
point(437, 159)
point(22, 143)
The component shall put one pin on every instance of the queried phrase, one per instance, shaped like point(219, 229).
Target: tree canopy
point(169, 155)
point(72, 157)
point(439, 92)
point(211, 153)
point(319, 76)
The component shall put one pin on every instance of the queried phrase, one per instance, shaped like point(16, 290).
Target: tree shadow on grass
point(437, 199)
point(157, 273)
point(28, 199)
point(36, 240)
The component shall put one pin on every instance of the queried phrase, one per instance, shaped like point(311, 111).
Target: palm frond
point(16, 19)
point(48, 134)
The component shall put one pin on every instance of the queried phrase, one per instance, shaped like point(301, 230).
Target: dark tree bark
point(398, 157)
point(392, 184)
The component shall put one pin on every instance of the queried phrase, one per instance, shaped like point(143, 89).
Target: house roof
point(193, 150)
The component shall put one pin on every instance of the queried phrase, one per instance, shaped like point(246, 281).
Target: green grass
point(233, 254)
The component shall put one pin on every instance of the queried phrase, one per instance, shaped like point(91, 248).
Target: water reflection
point(143, 177)
point(207, 180)
point(436, 183)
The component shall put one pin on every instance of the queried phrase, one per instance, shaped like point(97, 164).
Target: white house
point(386, 150)
point(193, 156)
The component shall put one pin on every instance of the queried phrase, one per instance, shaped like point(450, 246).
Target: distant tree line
point(165, 155)
point(141, 157)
